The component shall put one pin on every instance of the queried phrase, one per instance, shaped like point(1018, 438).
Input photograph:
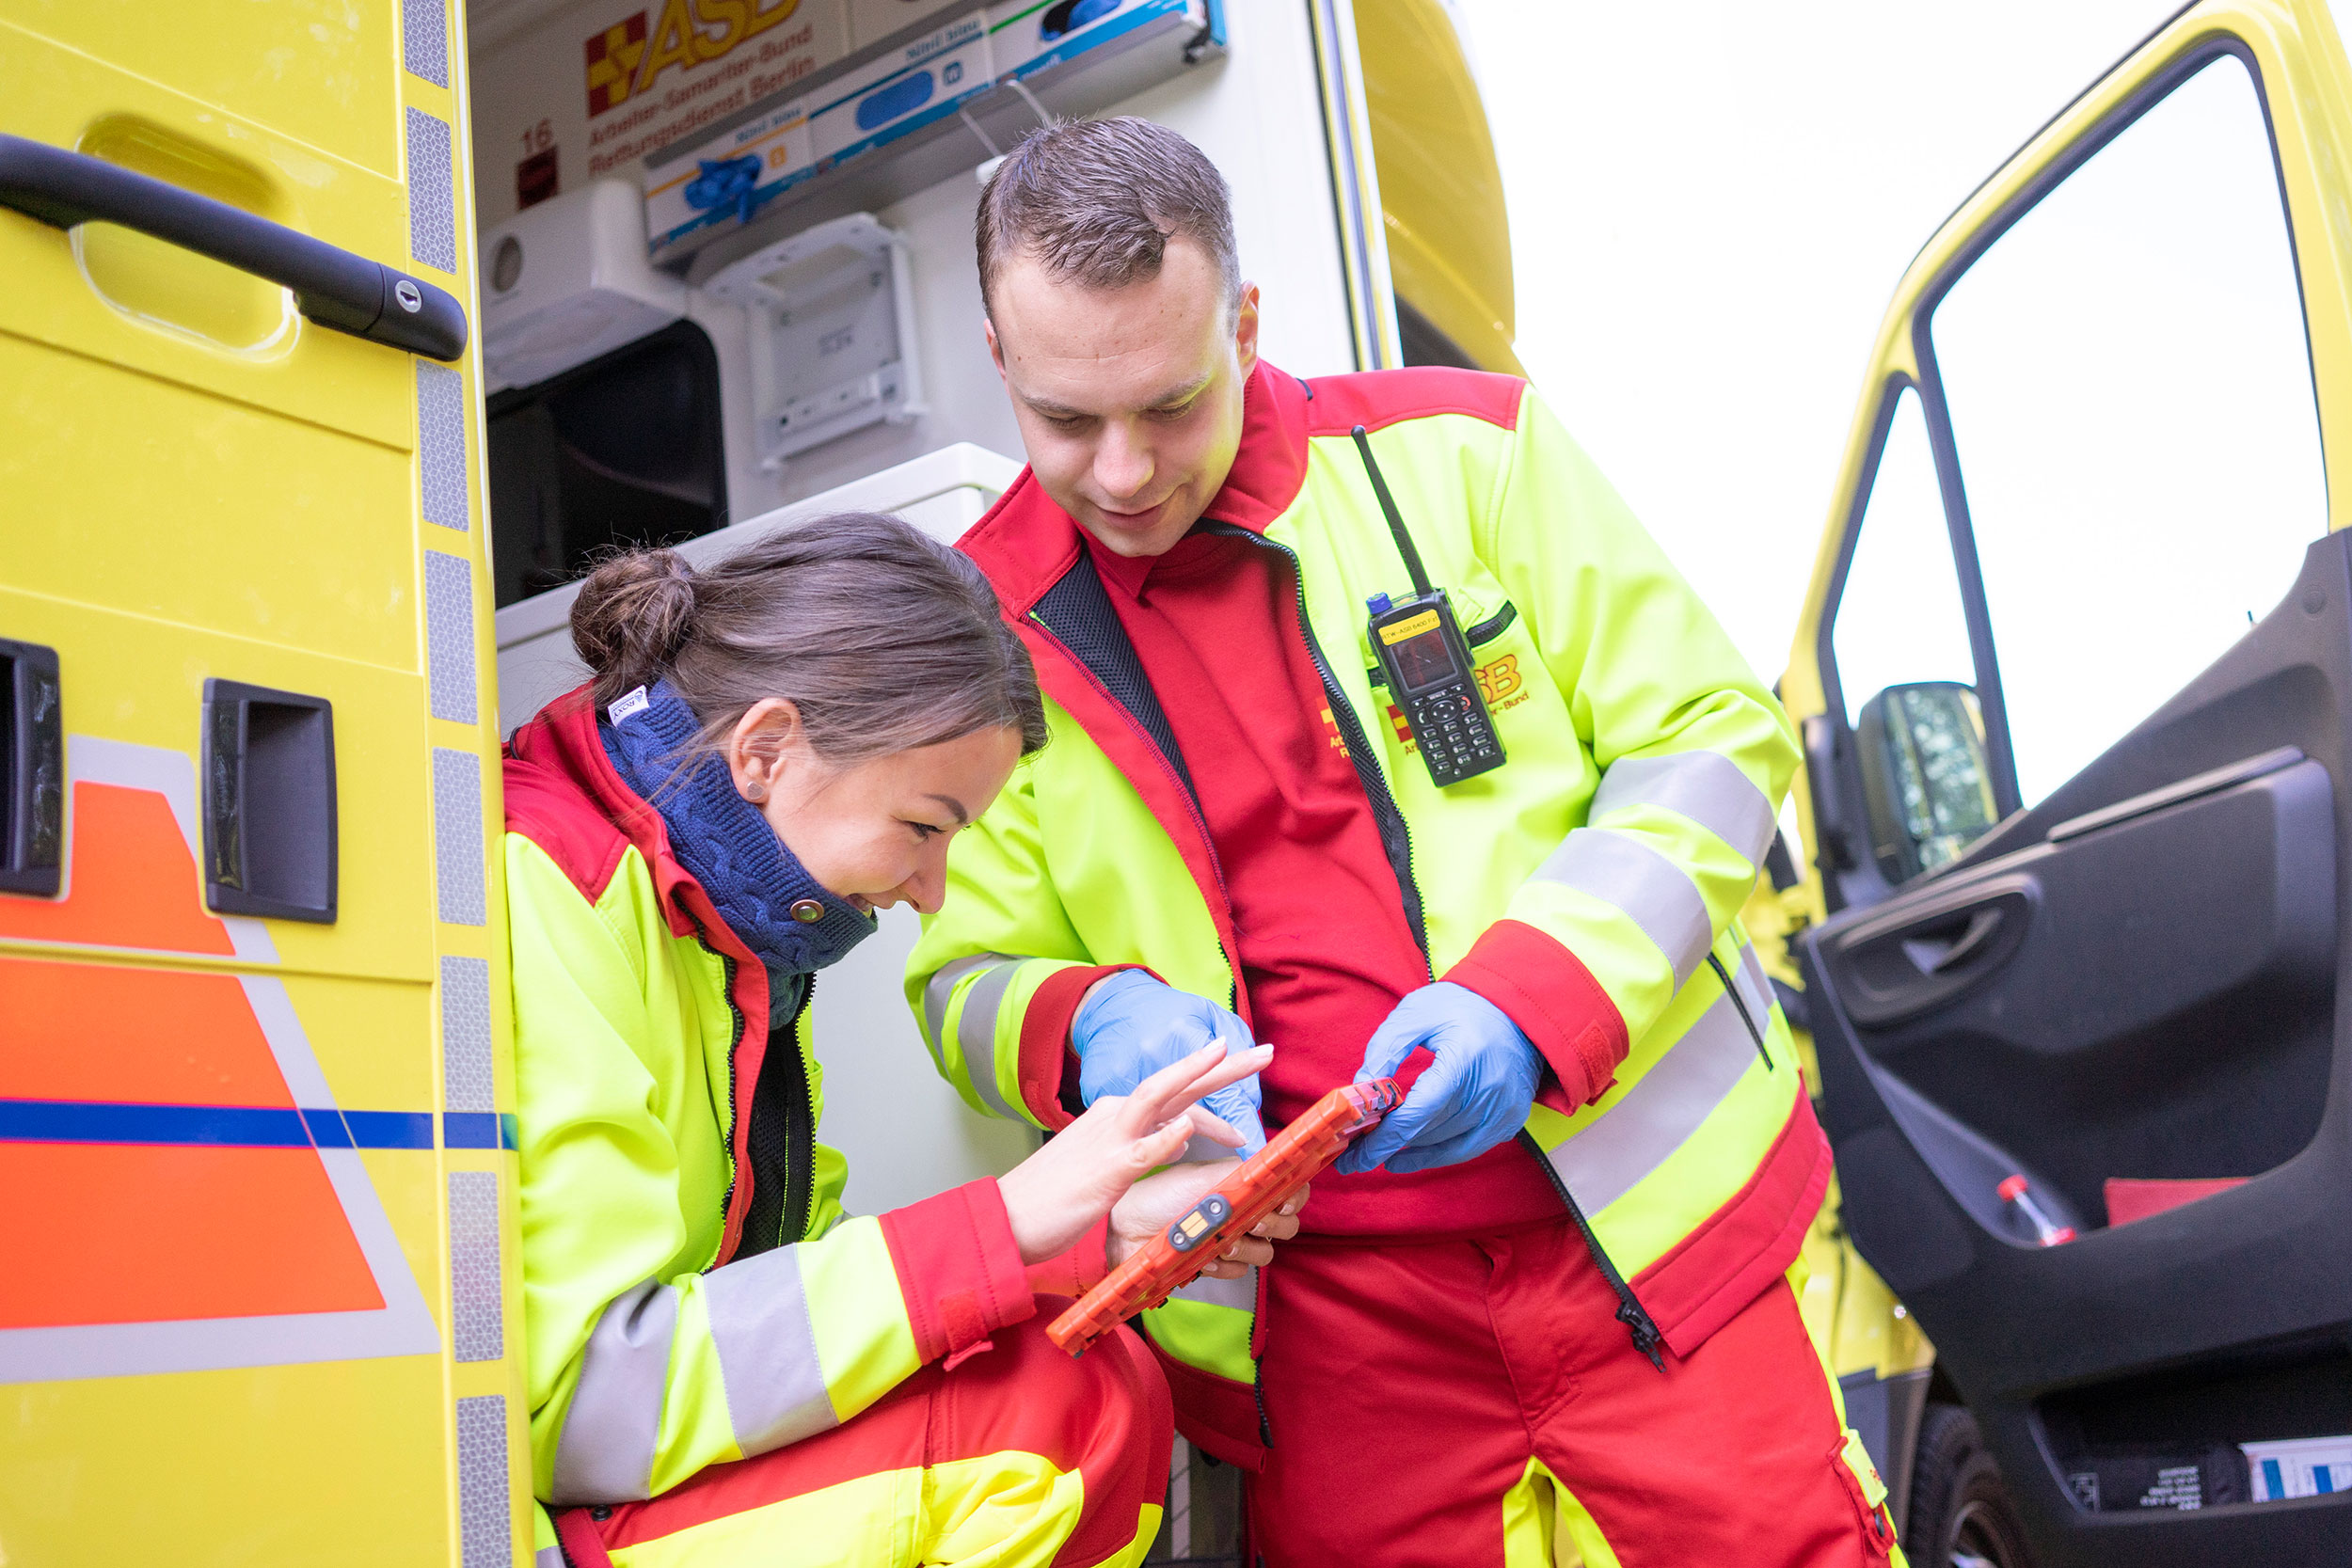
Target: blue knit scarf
point(724, 840)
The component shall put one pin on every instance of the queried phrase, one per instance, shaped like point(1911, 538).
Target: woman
point(723, 1368)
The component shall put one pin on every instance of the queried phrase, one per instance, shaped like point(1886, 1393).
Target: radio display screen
point(1421, 661)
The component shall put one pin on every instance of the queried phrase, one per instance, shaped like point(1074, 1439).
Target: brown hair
point(1097, 201)
point(885, 639)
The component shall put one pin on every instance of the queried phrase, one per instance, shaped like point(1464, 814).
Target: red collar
point(562, 786)
point(1026, 542)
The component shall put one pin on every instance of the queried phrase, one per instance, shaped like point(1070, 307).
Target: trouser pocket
point(1860, 1478)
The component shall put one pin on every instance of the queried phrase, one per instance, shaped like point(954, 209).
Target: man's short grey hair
point(1097, 201)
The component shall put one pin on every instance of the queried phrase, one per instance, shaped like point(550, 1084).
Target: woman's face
point(874, 832)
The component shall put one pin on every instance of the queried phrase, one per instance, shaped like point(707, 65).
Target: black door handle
point(331, 286)
point(1893, 964)
point(32, 771)
point(268, 764)
point(1983, 925)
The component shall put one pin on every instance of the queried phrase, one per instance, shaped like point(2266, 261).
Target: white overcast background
point(1711, 205)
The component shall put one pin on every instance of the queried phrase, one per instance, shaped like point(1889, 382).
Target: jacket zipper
point(1737, 1000)
point(735, 1045)
point(1630, 1312)
point(800, 1127)
point(1493, 625)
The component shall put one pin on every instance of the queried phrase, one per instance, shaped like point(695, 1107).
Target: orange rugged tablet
point(1175, 1257)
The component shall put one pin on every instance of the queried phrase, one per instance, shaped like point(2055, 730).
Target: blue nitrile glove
point(1475, 1095)
point(1131, 1025)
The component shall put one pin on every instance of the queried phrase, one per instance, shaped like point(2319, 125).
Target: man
point(1555, 1313)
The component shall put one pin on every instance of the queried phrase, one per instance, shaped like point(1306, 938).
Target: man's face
point(1129, 399)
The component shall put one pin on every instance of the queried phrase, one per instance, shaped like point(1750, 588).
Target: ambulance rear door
point(257, 1302)
point(2075, 681)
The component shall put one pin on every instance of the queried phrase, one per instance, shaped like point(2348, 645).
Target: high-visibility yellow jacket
point(1588, 887)
point(664, 1125)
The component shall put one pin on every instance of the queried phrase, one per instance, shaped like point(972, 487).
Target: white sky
point(1711, 205)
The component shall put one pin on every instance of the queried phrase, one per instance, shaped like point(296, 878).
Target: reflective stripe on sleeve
point(1633, 1137)
point(1705, 787)
point(1240, 1294)
point(549, 1557)
point(975, 1032)
point(1653, 893)
point(759, 1325)
point(606, 1451)
point(940, 991)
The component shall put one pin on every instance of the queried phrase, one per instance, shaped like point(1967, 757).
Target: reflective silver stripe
point(549, 1557)
point(977, 1033)
point(485, 1524)
point(477, 1305)
point(1654, 892)
point(1634, 1137)
point(767, 1347)
point(1705, 787)
point(605, 1454)
point(458, 874)
point(1241, 1294)
point(941, 989)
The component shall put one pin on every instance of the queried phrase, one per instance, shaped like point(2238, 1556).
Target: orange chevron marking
point(125, 1233)
point(126, 847)
point(93, 1032)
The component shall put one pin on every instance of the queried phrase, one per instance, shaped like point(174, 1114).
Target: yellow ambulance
point(2068, 924)
point(302, 297)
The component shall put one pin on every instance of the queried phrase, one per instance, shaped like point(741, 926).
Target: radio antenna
point(1396, 523)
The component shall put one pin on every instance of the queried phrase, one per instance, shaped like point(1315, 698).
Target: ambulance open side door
point(257, 1294)
point(2076, 682)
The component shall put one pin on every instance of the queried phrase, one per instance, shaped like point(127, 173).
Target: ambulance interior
point(660, 370)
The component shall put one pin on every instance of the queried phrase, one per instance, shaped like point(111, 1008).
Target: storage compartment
point(2178, 1438)
point(625, 450)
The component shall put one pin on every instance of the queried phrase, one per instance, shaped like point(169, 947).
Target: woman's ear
point(761, 747)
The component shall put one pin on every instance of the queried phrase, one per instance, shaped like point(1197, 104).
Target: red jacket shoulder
point(546, 805)
point(1376, 398)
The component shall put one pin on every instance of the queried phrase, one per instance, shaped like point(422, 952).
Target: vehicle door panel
point(259, 1302)
point(2135, 976)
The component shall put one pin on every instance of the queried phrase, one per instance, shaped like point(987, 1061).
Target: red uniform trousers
point(973, 1462)
point(1458, 1401)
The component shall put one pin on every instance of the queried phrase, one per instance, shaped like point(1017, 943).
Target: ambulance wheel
point(1961, 1513)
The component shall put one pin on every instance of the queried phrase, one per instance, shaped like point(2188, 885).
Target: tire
point(1961, 1513)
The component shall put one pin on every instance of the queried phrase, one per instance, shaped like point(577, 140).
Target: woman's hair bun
point(633, 614)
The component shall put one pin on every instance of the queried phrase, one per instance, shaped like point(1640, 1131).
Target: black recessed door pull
point(32, 771)
point(1983, 925)
point(331, 286)
point(269, 802)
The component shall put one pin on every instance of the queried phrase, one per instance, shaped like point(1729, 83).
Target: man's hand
point(1130, 1026)
point(1156, 1202)
point(1056, 1194)
point(1475, 1095)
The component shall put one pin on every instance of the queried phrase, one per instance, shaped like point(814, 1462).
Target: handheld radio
point(1422, 651)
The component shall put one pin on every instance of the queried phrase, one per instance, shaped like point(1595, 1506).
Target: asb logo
point(1498, 681)
point(613, 56)
point(624, 58)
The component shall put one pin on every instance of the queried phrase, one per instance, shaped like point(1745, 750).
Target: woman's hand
point(1056, 1194)
point(1156, 1202)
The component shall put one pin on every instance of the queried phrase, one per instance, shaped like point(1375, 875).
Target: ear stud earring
point(755, 793)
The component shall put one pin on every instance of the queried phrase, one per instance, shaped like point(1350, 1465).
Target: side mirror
point(1925, 781)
